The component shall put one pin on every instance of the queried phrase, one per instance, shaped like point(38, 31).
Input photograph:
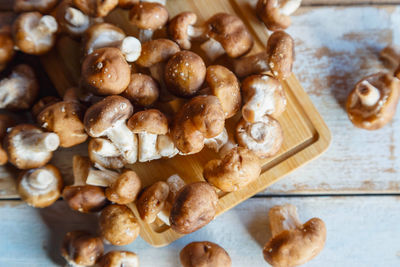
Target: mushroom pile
point(119, 110)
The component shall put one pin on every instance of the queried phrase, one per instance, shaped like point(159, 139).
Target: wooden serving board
point(305, 134)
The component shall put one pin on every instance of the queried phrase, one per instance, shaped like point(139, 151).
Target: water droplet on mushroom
point(99, 65)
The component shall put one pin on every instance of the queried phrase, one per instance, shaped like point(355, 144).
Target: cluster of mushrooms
point(119, 109)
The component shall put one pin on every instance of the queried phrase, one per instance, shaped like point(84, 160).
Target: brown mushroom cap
point(149, 121)
point(231, 33)
point(383, 108)
point(185, 73)
point(125, 189)
point(119, 259)
point(236, 170)
point(152, 200)
point(194, 207)
point(148, 15)
point(297, 246)
point(118, 225)
point(105, 71)
point(204, 254)
point(40, 187)
point(43, 6)
point(280, 48)
point(269, 12)
point(143, 90)
point(156, 51)
point(43, 103)
point(224, 85)
point(126, 4)
point(81, 248)
point(262, 95)
point(96, 8)
point(6, 49)
point(85, 198)
point(178, 28)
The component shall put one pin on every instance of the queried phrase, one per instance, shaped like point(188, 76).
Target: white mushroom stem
point(106, 148)
point(131, 48)
point(75, 17)
point(40, 142)
point(195, 32)
point(47, 26)
point(213, 49)
point(126, 141)
point(175, 183)
point(283, 218)
point(217, 142)
point(145, 35)
point(369, 95)
point(40, 179)
point(288, 7)
point(102, 178)
point(148, 147)
point(166, 147)
point(253, 64)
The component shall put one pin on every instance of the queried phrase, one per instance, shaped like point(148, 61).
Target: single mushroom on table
point(148, 17)
point(104, 154)
point(29, 146)
point(292, 242)
point(194, 206)
point(96, 8)
point(119, 258)
point(152, 201)
point(6, 122)
point(262, 95)
point(276, 13)
point(204, 254)
point(142, 90)
point(6, 50)
point(80, 248)
point(43, 6)
point(118, 225)
point(20, 89)
point(373, 101)
point(40, 187)
point(35, 33)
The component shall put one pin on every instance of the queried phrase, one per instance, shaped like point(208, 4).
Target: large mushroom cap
point(148, 15)
point(280, 50)
point(156, 51)
point(103, 115)
point(204, 254)
point(96, 8)
point(149, 121)
point(143, 90)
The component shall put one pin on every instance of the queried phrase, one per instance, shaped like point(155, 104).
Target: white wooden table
point(354, 187)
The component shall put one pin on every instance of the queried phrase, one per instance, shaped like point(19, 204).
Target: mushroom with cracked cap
point(40, 187)
point(6, 50)
point(6, 122)
point(142, 90)
point(276, 13)
point(373, 101)
point(43, 6)
point(96, 8)
point(118, 258)
point(204, 254)
point(152, 201)
point(181, 29)
point(104, 154)
point(35, 33)
point(292, 242)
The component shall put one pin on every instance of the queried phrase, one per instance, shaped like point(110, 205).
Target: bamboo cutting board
point(305, 134)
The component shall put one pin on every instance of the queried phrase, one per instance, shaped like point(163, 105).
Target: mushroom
point(43, 103)
point(200, 118)
point(217, 142)
point(65, 119)
point(391, 55)
point(40, 187)
point(104, 154)
point(293, 243)
point(80, 248)
point(80, 196)
point(34, 33)
point(127, 4)
point(108, 118)
point(227, 34)
point(233, 172)
point(182, 31)
point(96, 8)
point(204, 254)
point(373, 101)
point(119, 259)
point(254, 64)
point(43, 6)
point(19, 90)
point(194, 207)
point(264, 138)
point(72, 20)
point(105, 71)
point(262, 95)
point(185, 73)
point(152, 201)
point(280, 50)
point(29, 146)
point(6, 50)
point(148, 17)
point(276, 13)
point(118, 225)
point(223, 84)
point(143, 90)
point(5, 122)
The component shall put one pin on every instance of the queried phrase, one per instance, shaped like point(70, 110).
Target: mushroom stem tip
point(283, 218)
point(369, 95)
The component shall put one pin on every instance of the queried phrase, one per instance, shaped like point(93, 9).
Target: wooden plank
point(348, 2)
point(32, 237)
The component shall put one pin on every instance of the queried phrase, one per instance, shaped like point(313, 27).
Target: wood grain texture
point(348, 2)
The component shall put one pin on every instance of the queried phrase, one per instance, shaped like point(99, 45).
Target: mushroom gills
point(13, 88)
point(217, 142)
point(76, 18)
point(38, 182)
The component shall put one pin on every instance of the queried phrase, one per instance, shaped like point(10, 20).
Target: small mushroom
point(194, 207)
point(104, 154)
point(143, 90)
point(34, 33)
point(118, 225)
point(235, 171)
point(80, 196)
point(148, 17)
point(43, 103)
point(293, 243)
point(40, 187)
point(105, 71)
point(19, 90)
point(29, 147)
point(152, 201)
point(254, 64)
point(276, 13)
point(80, 248)
point(227, 34)
point(43, 6)
point(72, 20)
point(204, 254)
point(119, 259)
point(185, 73)
point(264, 138)
point(391, 55)
point(280, 50)
point(181, 29)
point(200, 118)
point(262, 95)
point(6, 50)
point(373, 101)
point(96, 8)
point(5, 122)
point(108, 118)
